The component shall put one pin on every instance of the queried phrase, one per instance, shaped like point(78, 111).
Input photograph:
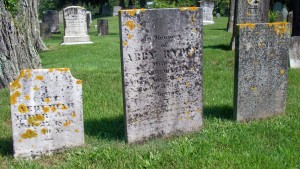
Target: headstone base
point(75, 40)
point(294, 52)
point(208, 22)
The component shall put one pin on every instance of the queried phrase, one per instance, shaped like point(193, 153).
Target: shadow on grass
point(6, 146)
point(222, 47)
point(219, 29)
point(106, 128)
point(223, 112)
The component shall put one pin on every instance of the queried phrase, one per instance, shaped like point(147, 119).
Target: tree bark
point(19, 41)
point(231, 16)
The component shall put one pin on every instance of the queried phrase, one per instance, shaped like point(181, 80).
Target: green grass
point(222, 143)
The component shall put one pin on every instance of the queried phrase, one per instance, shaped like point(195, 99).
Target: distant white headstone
point(75, 26)
point(208, 7)
point(116, 10)
point(46, 112)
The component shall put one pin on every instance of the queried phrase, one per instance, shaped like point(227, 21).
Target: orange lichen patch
point(79, 82)
point(198, 110)
point(51, 70)
point(44, 130)
point(187, 84)
point(22, 108)
point(67, 123)
point(13, 97)
point(193, 8)
point(193, 19)
point(35, 88)
point(29, 134)
point(280, 27)
point(73, 114)
point(39, 77)
point(62, 69)
point(129, 36)
point(47, 100)
point(27, 97)
point(53, 108)
point(143, 10)
point(76, 130)
point(247, 25)
point(64, 107)
point(46, 109)
point(282, 71)
point(15, 85)
point(35, 120)
point(253, 88)
point(183, 8)
point(132, 12)
point(124, 43)
point(28, 73)
point(130, 24)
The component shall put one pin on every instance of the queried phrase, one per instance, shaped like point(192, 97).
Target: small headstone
point(285, 13)
point(294, 52)
point(45, 30)
point(75, 26)
point(89, 14)
point(261, 70)
point(218, 15)
point(52, 19)
point(46, 112)
point(102, 27)
point(162, 71)
point(116, 10)
point(61, 17)
point(88, 22)
point(207, 7)
point(290, 20)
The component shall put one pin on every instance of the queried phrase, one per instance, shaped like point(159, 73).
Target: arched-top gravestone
point(75, 22)
point(207, 8)
point(46, 112)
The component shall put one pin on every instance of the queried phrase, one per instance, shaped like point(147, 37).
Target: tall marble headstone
point(295, 39)
point(75, 26)
point(250, 11)
point(162, 71)
point(46, 112)
point(261, 64)
point(51, 17)
point(207, 8)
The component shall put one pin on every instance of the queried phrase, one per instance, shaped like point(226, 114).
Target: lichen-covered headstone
point(162, 71)
point(46, 112)
point(75, 26)
point(261, 63)
point(207, 7)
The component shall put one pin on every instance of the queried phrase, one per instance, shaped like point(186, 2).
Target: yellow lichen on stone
point(35, 88)
point(178, 78)
point(39, 77)
point(253, 88)
point(198, 110)
point(22, 108)
point(79, 82)
point(132, 12)
point(67, 123)
point(35, 120)
point(282, 71)
point(187, 84)
point(187, 113)
point(64, 107)
point(143, 10)
point(44, 131)
point(47, 100)
point(46, 109)
point(29, 134)
point(15, 85)
point(73, 114)
point(124, 43)
point(27, 97)
point(51, 70)
point(183, 8)
point(53, 108)
point(20, 140)
point(130, 24)
point(63, 69)
point(193, 8)
point(191, 52)
point(129, 36)
point(259, 44)
point(247, 25)
point(280, 28)
point(76, 130)
point(14, 96)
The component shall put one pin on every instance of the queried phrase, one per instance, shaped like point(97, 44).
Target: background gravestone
point(296, 19)
point(61, 16)
point(294, 52)
point(46, 112)
point(45, 30)
point(75, 26)
point(116, 10)
point(51, 17)
point(162, 71)
point(207, 8)
point(285, 13)
point(250, 11)
point(261, 63)
point(102, 25)
point(278, 7)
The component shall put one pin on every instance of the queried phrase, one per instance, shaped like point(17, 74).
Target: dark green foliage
point(12, 6)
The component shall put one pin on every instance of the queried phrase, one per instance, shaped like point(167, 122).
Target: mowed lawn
point(222, 143)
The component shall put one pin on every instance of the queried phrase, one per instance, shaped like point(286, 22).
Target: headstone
point(207, 8)
point(290, 20)
point(294, 52)
point(285, 13)
point(46, 112)
point(116, 9)
point(52, 19)
point(61, 17)
point(88, 22)
point(45, 30)
point(261, 70)
point(106, 10)
point(102, 27)
point(278, 7)
point(250, 11)
point(89, 14)
point(218, 15)
point(162, 71)
point(75, 26)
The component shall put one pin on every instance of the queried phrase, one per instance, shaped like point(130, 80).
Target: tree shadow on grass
point(221, 46)
point(222, 112)
point(6, 146)
point(106, 128)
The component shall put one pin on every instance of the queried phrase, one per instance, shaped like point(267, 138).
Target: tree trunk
point(231, 16)
point(19, 41)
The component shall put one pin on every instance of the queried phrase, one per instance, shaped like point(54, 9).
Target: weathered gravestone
point(261, 63)
point(75, 26)
point(46, 112)
point(102, 27)
point(89, 16)
point(207, 8)
point(45, 30)
point(61, 16)
point(294, 53)
point(51, 17)
point(285, 13)
point(116, 9)
point(162, 71)
point(250, 11)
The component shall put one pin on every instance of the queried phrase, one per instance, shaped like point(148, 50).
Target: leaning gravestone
point(46, 112)
point(75, 26)
point(162, 71)
point(295, 39)
point(51, 17)
point(207, 8)
point(250, 11)
point(261, 70)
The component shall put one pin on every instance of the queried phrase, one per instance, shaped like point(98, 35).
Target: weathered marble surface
point(46, 112)
point(162, 71)
point(294, 52)
point(207, 8)
point(261, 63)
point(75, 26)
